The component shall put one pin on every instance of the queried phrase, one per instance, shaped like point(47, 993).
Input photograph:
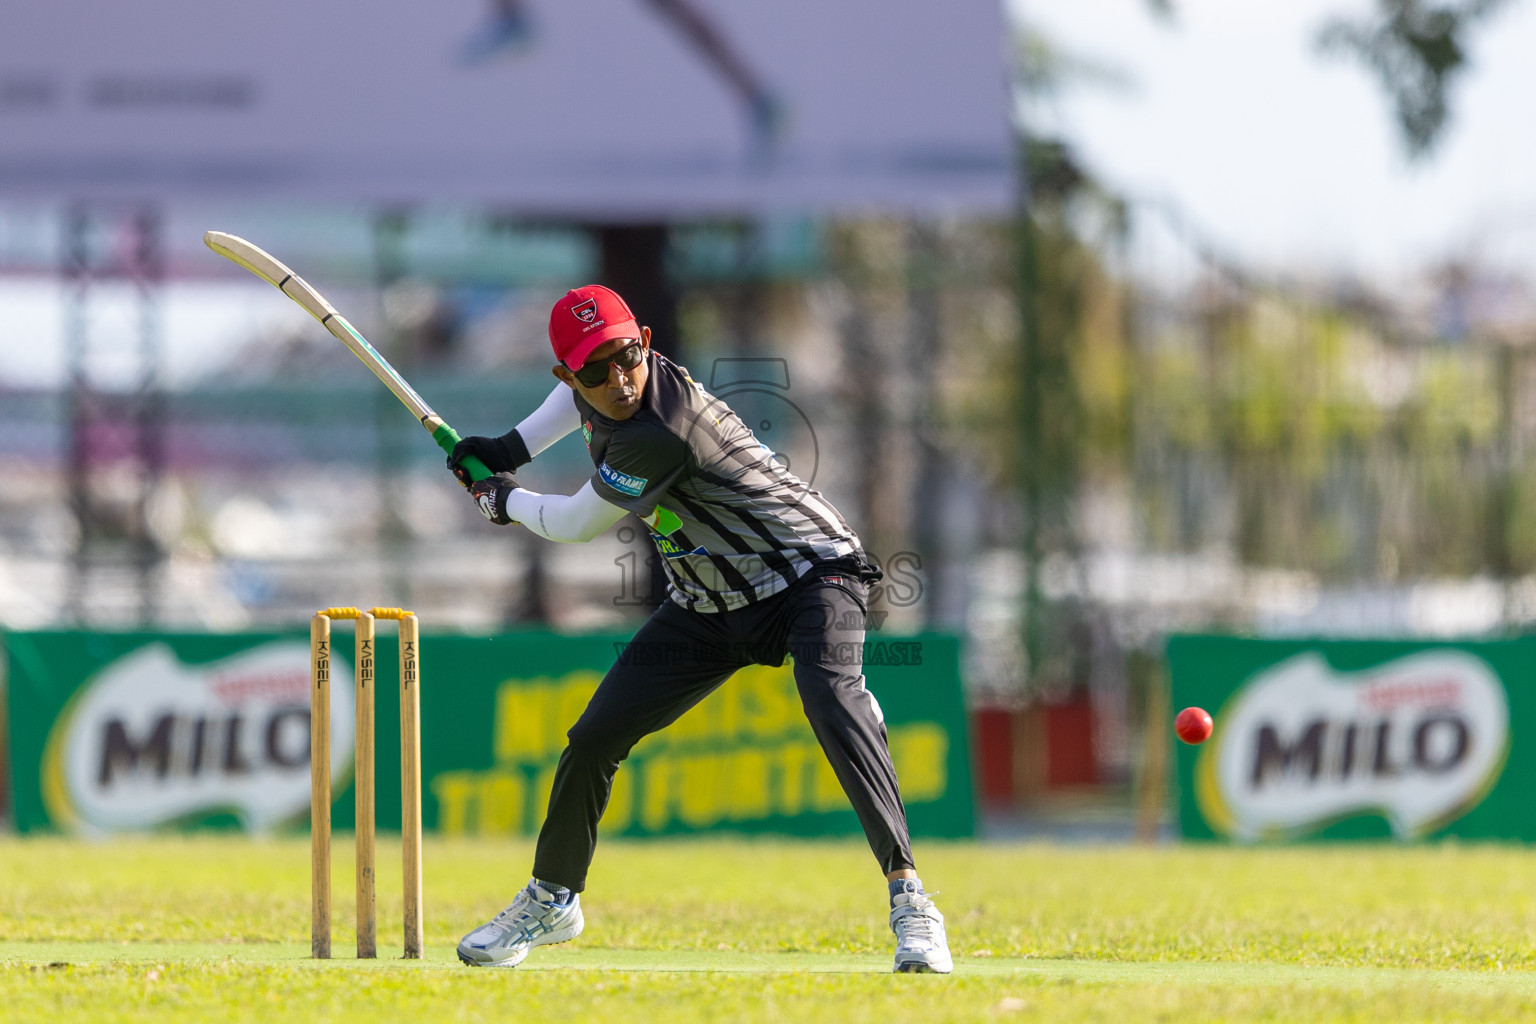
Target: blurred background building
point(1067, 416)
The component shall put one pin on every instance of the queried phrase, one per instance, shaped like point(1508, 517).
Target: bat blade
point(276, 273)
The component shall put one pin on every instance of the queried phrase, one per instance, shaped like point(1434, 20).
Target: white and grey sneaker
point(921, 947)
point(532, 919)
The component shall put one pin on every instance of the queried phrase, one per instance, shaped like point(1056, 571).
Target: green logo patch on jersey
point(663, 522)
point(672, 549)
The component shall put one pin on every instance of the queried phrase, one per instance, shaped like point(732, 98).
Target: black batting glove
point(505, 454)
point(490, 496)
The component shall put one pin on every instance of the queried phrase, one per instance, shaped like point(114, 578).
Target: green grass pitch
point(216, 928)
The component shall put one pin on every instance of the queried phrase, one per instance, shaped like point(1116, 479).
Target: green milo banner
point(131, 731)
point(1357, 739)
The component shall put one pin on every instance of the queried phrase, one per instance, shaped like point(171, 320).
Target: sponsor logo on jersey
point(672, 549)
point(624, 483)
point(586, 312)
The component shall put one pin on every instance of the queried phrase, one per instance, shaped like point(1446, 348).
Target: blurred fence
point(1200, 447)
point(1342, 443)
point(1169, 444)
point(284, 477)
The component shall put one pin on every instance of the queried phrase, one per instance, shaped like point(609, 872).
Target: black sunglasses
point(592, 375)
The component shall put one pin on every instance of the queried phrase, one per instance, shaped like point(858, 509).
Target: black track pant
point(678, 657)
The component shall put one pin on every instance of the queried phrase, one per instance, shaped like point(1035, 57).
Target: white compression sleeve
point(569, 518)
point(555, 417)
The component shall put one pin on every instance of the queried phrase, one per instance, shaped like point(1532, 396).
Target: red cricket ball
point(1193, 725)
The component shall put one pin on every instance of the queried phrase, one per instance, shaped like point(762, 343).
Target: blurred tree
point(1068, 405)
point(1416, 49)
point(1067, 385)
point(1295, 429)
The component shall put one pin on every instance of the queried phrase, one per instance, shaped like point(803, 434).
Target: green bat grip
point(446, 437)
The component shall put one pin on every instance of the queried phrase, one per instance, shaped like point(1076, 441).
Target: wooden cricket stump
point(364, 778)
point(320, 786)
point(362, 775)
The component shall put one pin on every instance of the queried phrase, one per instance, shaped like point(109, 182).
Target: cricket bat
point(263, 265)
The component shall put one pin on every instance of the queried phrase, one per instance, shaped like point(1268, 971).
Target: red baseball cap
point(584, 319)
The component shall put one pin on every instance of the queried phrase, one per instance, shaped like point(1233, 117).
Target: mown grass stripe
point(621, 961)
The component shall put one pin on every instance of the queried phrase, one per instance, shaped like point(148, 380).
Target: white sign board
point(1420, 740)
point(152, 741)
point(580, 108)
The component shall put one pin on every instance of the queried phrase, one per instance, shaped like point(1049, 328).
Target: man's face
point(618, 396)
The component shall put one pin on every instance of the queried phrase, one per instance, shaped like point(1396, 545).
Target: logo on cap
point(586, 312)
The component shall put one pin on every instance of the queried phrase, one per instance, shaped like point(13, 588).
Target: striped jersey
point(749, 528)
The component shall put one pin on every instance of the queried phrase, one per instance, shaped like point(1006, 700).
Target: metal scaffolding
point(116, 411)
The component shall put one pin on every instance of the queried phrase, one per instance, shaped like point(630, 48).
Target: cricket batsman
point(759, 566)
